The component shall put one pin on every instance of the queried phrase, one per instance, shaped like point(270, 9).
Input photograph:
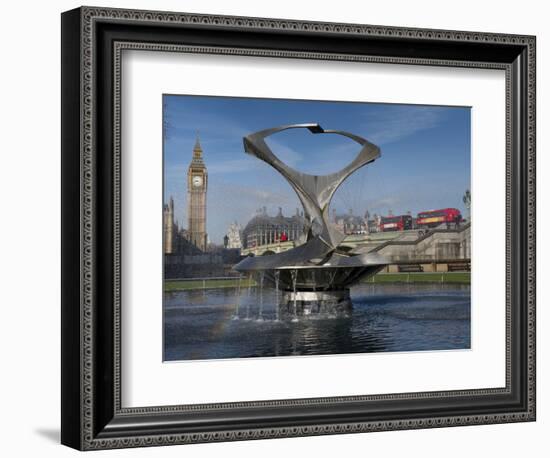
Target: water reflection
point(244, 322)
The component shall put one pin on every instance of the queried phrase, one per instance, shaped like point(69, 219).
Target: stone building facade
point(349, 223)
point(234, 236)
point(264, 229)
point(170, 228)
point(193, 240)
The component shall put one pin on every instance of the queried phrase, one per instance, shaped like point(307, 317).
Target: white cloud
point(232, 166)
point(395, 123)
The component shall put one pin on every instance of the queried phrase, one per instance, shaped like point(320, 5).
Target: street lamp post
point(467, 199)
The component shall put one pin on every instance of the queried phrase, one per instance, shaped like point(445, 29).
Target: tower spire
point(197, 149)
point(197, 146)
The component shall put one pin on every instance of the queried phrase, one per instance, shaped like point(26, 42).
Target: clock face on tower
point(197, 181)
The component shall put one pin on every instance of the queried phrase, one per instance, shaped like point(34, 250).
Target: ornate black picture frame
point(92, 42)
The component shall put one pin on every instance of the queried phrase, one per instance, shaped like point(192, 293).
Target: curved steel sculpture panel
point(315, 193)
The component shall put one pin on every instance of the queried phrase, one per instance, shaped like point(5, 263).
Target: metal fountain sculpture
point(316, 275)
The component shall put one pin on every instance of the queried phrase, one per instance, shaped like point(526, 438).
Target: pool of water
point(243, 323)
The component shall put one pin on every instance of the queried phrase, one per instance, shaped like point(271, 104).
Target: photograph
point(313, 227)
point(284, 223)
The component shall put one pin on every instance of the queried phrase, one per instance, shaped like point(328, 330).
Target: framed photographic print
point(278, 228)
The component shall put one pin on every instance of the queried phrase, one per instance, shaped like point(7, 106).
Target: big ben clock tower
point(197, 182)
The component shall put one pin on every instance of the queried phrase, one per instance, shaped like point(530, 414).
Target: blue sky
point(425, 162)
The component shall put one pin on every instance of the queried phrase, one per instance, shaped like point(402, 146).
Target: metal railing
point(441, 275)
point(204, 279)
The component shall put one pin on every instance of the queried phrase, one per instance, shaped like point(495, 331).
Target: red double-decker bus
point(395, 223)
point(434, 218)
